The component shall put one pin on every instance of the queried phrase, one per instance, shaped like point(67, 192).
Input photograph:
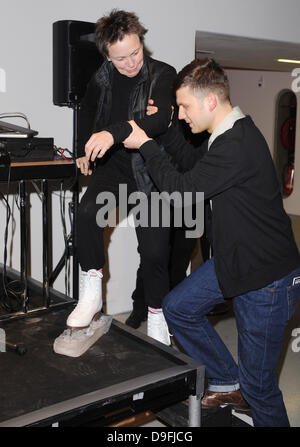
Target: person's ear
point(107, 56)
point(211, 101)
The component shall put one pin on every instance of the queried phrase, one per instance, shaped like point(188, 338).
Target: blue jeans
point(261, 318)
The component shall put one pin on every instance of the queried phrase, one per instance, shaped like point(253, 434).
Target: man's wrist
point(145, 141)
point(148, 148)
point(119, 131)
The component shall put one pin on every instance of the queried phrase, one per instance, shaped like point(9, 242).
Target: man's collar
point(226, 124)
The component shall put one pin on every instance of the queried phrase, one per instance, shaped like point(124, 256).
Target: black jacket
point(253, 243)
point(155, 82)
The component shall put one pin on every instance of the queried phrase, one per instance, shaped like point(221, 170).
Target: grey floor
point(289, 363)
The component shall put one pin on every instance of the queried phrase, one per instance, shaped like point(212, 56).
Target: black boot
point(138, 315)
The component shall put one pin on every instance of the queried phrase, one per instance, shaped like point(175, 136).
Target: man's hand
point(151, 108)
point(84, 165)
point(136, 138)
point(98, 144)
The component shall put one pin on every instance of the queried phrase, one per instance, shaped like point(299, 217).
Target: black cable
point(60, 153)
point(13, 290)
point(8, 214)
point(66, 237)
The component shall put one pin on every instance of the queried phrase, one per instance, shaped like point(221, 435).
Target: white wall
point(26, 58)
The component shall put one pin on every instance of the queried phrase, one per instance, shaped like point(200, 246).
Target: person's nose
point(131, 62)
point(181, 114)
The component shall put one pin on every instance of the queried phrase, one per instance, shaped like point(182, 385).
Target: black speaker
point(75, 59)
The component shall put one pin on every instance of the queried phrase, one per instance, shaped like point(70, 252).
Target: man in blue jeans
point(256, 261)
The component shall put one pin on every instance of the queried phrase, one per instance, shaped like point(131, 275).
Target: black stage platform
point(124, 373)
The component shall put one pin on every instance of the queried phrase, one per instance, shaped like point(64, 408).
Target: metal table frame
point(44, 171)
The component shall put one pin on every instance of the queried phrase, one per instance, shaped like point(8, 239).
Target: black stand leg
point(23, 232)
point(46, 294)
point(75, 202)
point(74, 241)
point(71, 249)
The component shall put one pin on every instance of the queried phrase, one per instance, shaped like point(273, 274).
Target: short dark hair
point(115, 26)
point(204, 74)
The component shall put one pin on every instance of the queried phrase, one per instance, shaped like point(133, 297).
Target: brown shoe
point(234, 399)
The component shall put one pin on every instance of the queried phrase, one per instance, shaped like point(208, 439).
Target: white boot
point(85, 324)
point(90, 300)
point(157, 326)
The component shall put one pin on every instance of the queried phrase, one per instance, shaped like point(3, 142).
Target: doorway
point(285, 128)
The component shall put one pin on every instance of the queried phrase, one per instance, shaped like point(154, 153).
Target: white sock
point(155, 310)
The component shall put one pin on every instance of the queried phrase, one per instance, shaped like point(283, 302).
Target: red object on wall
point(288, 183)
point(287, 133)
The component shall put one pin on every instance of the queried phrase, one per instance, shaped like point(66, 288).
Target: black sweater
point(253, 243)
point(96, 112)
point(154, 81)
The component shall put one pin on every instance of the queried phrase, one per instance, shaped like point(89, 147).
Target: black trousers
point(181, 250)
point(153, 242)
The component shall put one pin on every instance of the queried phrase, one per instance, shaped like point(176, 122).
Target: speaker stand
point(70, 250)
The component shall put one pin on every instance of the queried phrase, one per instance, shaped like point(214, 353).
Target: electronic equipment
point(30, 149)
point(4, 156)
point(75, 59)
point(8, 130)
